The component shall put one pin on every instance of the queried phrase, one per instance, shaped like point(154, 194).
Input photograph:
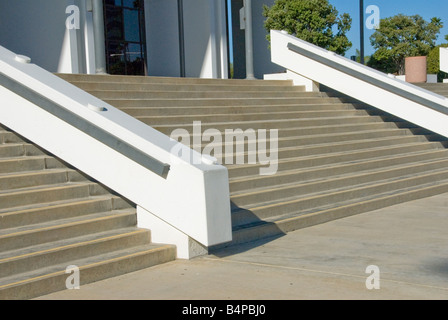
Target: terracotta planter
point(415, 69)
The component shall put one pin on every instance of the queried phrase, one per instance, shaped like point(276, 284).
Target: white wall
point(444, 59)
point(162, 37)
point(37, 29)
point(203, 39)
point(262, 54)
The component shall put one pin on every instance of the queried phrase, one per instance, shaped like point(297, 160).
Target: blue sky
point(388, 8)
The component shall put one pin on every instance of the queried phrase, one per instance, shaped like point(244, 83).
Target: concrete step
point(52, 216)
point(283, 189)
point(298, 205)
point(323, 166)
point(49, 193)
point(276, 115)
point(61, 209)
point(126, 94)
point(336, 156)
point(220, 102)
point(233, 110)
point(278, 226)
point(180, 87)
point(9, 150)
point(287, 139)
point(278, 124)
point(43, 281)
point(26, 236)
point(170, 80)
point(294, 151)
point(66, 250)
point(38, 178)
point(285, 176)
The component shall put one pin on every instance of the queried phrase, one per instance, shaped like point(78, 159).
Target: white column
point(218, 37)
point(249, 41)
point(99, 38)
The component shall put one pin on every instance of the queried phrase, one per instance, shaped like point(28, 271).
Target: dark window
point(125, 37)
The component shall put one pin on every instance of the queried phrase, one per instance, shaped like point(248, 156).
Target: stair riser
point(169, 80)
point(236, 110)
point(34, 180)
point(228, 101)
point(192, 95)
point(294, 207)
point(22, 240)
point(62, 211)
point(276, 125)
point(237, 158)
point(166, 120)
point(71, 253)
point(31, 197)
point(302, 163)
point(43, 196)
point(97, 86)
point(334, 184)
point(92, 273)
point(278, 229)
point(289, 130)
point(294, 141)
point(13, 150)
point(9, 137)
point(21, 165)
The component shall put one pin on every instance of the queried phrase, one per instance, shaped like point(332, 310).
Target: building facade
point(176, 38)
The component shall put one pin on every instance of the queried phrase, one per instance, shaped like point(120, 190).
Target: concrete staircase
point(337, 157)
point(52, 217)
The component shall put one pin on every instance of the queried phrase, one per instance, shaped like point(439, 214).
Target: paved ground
point(408, 244)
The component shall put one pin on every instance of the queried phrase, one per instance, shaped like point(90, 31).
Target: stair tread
point(82, 264)
point(299, 158)
point(340, 190)
point(44, 248)
point(342, 204)
point(65, 202)
point(60, 223)
point(362, 172)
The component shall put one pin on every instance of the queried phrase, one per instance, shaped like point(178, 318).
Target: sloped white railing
point(183, 202)
point(383, 91)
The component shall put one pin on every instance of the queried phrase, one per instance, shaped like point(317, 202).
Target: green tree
point(402, 36)
point(315, 21)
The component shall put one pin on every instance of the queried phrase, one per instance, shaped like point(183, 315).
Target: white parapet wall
point(399, 98)
point(189, 198)
point(444, 59)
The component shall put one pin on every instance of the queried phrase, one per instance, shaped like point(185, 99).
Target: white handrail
point(399, 98)
point(116, 149)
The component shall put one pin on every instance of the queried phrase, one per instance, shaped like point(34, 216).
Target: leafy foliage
point(315, 21)
point(402, 36)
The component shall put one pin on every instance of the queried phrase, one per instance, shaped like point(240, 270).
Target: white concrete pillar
point(98, 30)
point(249, 40)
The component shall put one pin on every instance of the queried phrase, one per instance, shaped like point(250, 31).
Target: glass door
point(125, 37)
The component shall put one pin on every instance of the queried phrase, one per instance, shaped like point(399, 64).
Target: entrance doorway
point(125, 37)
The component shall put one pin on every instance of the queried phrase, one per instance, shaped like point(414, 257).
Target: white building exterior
point(179, 37)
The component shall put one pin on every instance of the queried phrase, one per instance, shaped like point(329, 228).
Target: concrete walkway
point(407, 243)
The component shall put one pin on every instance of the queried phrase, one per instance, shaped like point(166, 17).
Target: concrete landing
point(407, 242)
